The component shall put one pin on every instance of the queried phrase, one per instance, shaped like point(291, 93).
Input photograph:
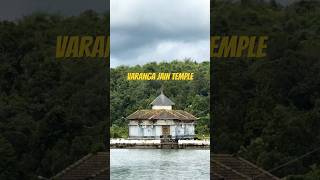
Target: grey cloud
point(15, 9)
point(143, 30)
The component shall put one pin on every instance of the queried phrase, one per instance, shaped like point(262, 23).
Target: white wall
point(165, 122)
point(148, 131)
point(190, 129)
point(156, 130)
point(183, 129)
point(180, 130)
point(133, 131)
point(162, 107)
point(173, 130)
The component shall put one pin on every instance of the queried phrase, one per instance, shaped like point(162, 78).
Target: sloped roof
point(92, 166)
point(162, 100)
point(229, 167)
point(157, 114)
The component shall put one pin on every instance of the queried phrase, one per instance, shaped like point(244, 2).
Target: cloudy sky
point(159, 30)
point(15, 9)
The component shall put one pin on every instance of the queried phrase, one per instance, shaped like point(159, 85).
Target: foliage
point(7, 159)
point(202, 128)
point(314, 174)
point(119, 132)
point(129, 96)
point(268, 110)
point(52, 111)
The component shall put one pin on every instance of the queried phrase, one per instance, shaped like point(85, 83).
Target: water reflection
point(146, 164)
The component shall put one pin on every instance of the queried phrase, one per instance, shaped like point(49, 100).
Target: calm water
point(154, 164)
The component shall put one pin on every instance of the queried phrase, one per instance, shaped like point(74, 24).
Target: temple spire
point(162, 102)
point(161, 89)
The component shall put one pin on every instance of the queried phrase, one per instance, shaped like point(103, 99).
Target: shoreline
point(156, 144)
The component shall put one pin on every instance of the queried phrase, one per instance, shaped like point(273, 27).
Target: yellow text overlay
point(238, 46)
point(82, 46)
point(182, 76)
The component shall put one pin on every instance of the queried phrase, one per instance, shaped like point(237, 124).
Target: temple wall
point(133, 131)
point(165, 122)
point(155, 131)
point(162, 107)
point(158, 131)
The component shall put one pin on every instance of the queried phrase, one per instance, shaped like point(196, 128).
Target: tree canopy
point(52, 111)
point(267, 110)
point(129, 96)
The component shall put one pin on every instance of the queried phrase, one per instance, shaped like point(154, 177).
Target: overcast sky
point(15, 9)
point(156, 30)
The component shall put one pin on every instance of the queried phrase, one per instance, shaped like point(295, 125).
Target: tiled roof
point(157, 114)
point(229, 167)
point(162, 100)
point(92, 166)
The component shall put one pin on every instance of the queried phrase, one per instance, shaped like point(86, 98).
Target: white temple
point(161, 121)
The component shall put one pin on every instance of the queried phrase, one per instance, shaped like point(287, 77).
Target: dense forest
point(129, 96)
point(268, 110)
point(55, 111)
point(52, 111)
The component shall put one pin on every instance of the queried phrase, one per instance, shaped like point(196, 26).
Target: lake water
point(159, 164)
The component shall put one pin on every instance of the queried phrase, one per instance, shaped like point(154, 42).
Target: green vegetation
point(268, 110)
point(55, 111)
point(52, 112)
point(129, 96)
point(314, 174)
point(119, 132)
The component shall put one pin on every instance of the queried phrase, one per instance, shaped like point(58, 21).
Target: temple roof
point(91, 167)
point(158, 114)
point(162, 100)
point(226, 166)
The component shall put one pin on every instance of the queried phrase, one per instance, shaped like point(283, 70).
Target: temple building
point(161, 121)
